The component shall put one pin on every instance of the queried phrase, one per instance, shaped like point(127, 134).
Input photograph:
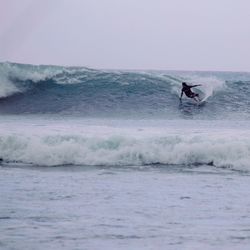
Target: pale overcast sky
point(127, 34)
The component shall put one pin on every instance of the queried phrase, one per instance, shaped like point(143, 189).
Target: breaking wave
point(31, 89)
point(52, 150)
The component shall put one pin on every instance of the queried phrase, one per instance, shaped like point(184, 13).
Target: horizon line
point(126, 69)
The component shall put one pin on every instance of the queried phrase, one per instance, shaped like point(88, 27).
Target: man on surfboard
point(188, 92)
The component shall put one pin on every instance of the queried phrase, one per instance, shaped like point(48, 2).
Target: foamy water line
point(52, 145)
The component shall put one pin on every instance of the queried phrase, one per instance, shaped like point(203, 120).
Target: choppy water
point(102, 159)
point(165, 207)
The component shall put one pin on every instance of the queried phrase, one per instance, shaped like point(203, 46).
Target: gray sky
point(127, 34)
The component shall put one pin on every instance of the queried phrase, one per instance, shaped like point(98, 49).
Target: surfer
point(188, 92)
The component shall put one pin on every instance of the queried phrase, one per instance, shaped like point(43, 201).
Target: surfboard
point(203, 99)
point(201, 102)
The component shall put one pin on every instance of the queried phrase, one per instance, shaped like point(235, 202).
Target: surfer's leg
point(195, 97)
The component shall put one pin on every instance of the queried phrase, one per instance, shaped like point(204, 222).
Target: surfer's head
point(184, 84)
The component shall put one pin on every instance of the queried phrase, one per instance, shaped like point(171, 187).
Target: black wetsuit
point(188, 92)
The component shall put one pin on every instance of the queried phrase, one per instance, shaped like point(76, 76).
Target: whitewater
point(101, 159)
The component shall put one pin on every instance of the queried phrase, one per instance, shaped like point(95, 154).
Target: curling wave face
point(77, 91)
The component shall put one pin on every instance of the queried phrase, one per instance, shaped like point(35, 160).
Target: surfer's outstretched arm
point(195, 85)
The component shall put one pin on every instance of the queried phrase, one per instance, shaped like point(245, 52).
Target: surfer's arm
point(195, 85)
point(181, 94)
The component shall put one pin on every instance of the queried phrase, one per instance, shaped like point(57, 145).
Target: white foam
point(60, 143)
point(6, 86)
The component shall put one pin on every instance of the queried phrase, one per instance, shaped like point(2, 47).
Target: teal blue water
point(76, 91)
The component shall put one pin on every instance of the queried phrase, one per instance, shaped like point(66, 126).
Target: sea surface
point(108, 159)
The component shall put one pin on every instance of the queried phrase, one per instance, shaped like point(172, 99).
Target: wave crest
point(94, 93)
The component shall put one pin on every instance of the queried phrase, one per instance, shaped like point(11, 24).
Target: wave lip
point(14, 76)
point(53, 150)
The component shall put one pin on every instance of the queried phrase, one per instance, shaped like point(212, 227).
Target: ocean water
point(104, 159)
